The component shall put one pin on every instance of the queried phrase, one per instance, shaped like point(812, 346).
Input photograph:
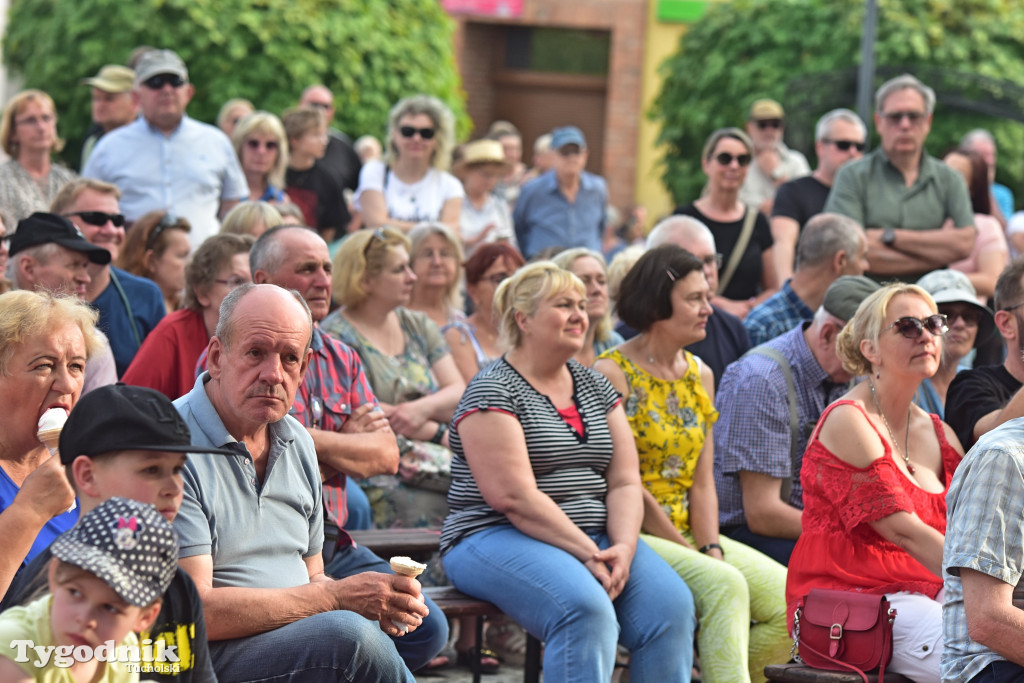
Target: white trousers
point(917, 636)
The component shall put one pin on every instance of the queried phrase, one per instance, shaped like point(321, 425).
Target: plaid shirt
point(776, 315)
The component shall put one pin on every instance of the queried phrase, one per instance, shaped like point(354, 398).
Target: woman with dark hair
point(476, 343)
point(725, 159)
point(669, 399)
point(991, 252)
point(167, 359)
point(157, 248)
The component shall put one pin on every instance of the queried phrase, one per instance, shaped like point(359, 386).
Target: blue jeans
point(327, 647)
point(417, 647)
point(1000, 672)
point(554, 597)
point(360, 516)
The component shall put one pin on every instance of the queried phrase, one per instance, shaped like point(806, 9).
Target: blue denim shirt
point(544, 218)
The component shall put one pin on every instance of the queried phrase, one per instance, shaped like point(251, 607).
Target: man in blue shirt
point(564, 207)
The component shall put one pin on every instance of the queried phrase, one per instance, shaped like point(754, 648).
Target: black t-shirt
point(319, 196)
point(180, 622)
point(746, 281)
point(341, 161)
point(973, 394)
point(800, 199)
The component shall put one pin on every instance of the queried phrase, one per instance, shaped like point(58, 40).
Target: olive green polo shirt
point(874, 193)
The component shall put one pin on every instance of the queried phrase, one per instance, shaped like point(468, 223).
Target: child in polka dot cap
point(106, 581)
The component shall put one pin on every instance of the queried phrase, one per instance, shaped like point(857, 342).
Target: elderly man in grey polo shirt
point(251, 525)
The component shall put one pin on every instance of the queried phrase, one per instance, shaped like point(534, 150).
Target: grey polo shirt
point(256, 532)
point(874, 193)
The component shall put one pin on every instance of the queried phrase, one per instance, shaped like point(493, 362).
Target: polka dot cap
point(127, 544)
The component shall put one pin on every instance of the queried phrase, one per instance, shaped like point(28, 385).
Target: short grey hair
point(905, 82)
point(42, 253)
point(226, 325)
point(668, 229)
point(824, 127)
point(976, 134)
point(824, 236)
point(268, 253)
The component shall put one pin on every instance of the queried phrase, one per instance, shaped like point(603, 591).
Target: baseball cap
point(44, 228)
point(567, 135)
point(949, 286)
point(120, 417)
point(156, 62)
point(766, 109)
point(112, 78)
point(126, 544)
point(846, 293)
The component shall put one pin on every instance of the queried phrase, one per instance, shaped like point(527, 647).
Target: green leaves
point(370, 53)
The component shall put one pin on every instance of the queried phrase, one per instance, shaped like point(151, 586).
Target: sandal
point(489, 662)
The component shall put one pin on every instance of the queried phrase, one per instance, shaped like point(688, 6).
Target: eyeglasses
point(160, 80)
point(1012, 308)
point(845, 145)
point(168, 221)
point(970, 316)
point(912, 328)
point(712, 260)
point(724, 158)
point(769, 123)
point(234, 282)
point(271, 145)
point(98, 218)
point(409, 131)
point(325, 106)
point(895, 118)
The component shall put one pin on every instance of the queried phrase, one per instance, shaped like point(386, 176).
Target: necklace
point(896, 445)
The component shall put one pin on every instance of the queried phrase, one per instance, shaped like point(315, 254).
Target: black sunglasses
point(845, 145)
point(160, 80)
point(769, 123)
point(724, 158)
point(99, 218)
point(168, 221)
point(912, 328)
point(409, 131)
point(271, 145)
point(896, 117)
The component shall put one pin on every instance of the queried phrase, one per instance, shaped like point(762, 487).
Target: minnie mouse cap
point(126, 544)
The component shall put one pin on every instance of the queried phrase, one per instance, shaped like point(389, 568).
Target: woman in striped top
point(546, 499)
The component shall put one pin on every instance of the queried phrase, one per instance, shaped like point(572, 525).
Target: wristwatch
point(889, 237)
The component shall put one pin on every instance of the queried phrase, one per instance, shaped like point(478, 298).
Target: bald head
point(318, 97)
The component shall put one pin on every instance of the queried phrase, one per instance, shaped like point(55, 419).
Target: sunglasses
point(845, 145)
point(712, 259)
point(769, 123)
point(168, 221)
point(378, 234)
point(895, 118)
point(912, 328)
point(160, 80)
point(323, 106)
point(409, 131)
point(99, 218)
point(970, 316)
point(271, 145)
point(724, 158)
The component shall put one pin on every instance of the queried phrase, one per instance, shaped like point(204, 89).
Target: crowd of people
point(641, 445)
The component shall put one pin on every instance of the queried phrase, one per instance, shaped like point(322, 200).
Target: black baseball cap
point(120, 417)
point(44, 228)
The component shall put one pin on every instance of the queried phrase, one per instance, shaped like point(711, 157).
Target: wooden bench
point(798, 673)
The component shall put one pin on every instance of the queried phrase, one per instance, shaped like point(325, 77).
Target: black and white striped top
point(568, 467)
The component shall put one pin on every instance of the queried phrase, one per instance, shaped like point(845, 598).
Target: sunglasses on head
point(409, 131)
point(724, 158)
point(845, 145)
point(912, 328)
point(98, 218)
point(160, 80)
point(271, 145)
point(769, 123)
point(168, 221)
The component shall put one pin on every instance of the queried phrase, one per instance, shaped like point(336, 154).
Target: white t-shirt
point(419, 201)
point(472, 221)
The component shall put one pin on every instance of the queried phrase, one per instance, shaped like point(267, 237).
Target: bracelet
point(439, 434)
point(710, 546)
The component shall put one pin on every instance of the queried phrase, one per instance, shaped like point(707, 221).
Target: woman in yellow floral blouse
point(669, 400)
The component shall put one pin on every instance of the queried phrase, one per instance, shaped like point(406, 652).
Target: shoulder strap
point(737, 252)
point(794, 418)
point(387, 172)
point(128, 308)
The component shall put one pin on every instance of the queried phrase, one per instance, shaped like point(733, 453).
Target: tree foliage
point(370, 53)
point(804, 53)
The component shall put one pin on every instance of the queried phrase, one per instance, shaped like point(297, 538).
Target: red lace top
point(837, 547)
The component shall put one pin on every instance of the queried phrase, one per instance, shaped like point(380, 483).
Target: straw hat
point(481, 152)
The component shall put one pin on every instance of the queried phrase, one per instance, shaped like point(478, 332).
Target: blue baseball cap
point(567, 135)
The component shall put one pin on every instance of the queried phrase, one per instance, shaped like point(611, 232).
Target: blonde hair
point(620, 265)
point(263, 122)
point(70, 193)
point(565, 261)
point(25, 314)
point(418, 235)
point(15, 107)
point(241, 219)
point(362, 255)
point(867, 325)
point(524, 291)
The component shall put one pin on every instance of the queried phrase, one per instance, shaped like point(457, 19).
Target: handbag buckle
point(836, 632)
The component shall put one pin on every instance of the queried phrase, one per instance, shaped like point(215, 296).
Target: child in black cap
point(128, 441)
point(106, 582)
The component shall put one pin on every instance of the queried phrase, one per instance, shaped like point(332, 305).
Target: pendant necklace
point(896, 445)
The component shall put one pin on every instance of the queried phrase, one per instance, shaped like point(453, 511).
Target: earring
point(878, 374)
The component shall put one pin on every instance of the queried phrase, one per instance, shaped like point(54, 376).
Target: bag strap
point(794, 417)
point(737, 252)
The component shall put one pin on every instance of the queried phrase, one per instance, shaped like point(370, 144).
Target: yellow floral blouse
point(670, 420)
